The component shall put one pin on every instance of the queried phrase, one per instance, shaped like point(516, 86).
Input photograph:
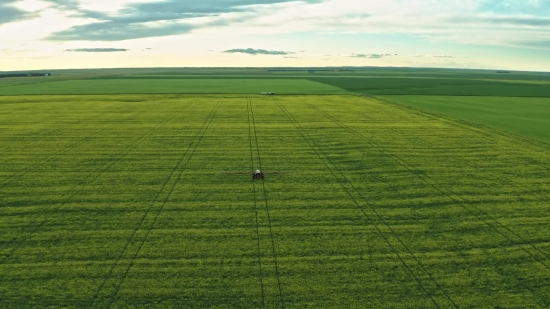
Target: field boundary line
point(255, 202)
point(500, 177)
point(197, 139)
point(89, 180)
point(475, 127)
point(267, 209)
point(453, 197)
point(323, 157)
point(510, 181)
point(479, 129)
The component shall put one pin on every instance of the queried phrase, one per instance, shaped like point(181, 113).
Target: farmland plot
point(524, 116)
point(148, 201)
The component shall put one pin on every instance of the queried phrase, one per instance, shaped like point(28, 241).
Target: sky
point(479, 34)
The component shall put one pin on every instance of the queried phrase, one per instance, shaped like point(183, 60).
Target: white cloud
point(110, 6)
point(271, 26)
point(451, 21)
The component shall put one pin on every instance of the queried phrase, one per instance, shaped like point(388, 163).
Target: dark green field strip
point(18, 81)
point(173, 86)
point(527, 117)
point(536, 253)
point(436, 86)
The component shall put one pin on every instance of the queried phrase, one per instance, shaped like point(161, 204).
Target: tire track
point(452, 154)
point(482, 130)
point(248, 107)
point(478, 129)
point(281, 299)
point(498, 178)
point(473, 210)
point(375, 219)
point(31, 167)
point(38, 224)
point(170, 183)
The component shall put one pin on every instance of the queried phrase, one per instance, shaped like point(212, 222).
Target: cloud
point(97, 50)
point(252, 51)
point(517, 23)
point(117, 30)
point(154, 19)
point(444, 56)
point(372, 56)
point(198, 7)
point(541, 44)
point(8, 13)
point(523, 7)
point(502, 20)
point(450, 21)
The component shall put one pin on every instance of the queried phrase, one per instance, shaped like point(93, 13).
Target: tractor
point(258, 175)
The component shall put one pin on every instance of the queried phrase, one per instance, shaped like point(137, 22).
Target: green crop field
point(146, 201)
point(524, 116)
point(155, 84)
point(366, 81)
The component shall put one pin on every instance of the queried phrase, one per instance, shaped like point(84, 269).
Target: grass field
point(153, 84)
point(147, 201)
point(523, 116)
point(366, 81)
point(439, 86)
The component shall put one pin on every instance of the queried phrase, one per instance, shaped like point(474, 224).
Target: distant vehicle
point(258, 175)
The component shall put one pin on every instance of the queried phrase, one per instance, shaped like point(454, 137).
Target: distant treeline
point(300, 70)
point(24, 74)
point(309, 70)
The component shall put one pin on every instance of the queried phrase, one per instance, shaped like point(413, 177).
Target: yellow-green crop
point(147, 201)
